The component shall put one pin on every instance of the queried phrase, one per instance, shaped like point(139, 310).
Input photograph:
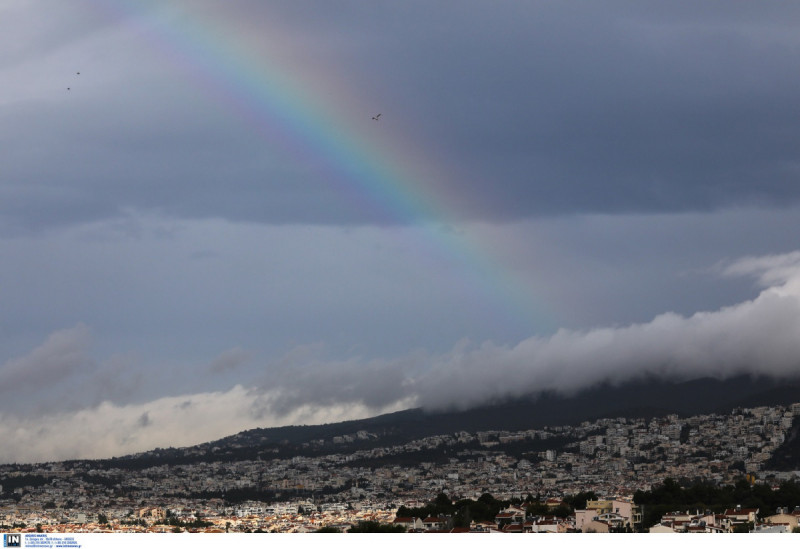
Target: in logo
point(12, 540)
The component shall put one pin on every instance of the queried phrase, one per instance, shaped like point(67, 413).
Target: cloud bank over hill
point(760, 336)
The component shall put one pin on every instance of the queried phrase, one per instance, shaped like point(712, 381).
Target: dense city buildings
point(611, 458)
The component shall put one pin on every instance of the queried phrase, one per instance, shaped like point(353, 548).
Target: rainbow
point(304, 111)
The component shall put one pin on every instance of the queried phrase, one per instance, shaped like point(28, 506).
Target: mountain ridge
point(644, 398)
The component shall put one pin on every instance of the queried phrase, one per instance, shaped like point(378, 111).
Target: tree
point(463, 517)
point(562, 511)
point(372, 527)
point(743, 528)
point(487, 498)
point(684, 436)
point(443, 500)
point(442, 505)
point(578, 501)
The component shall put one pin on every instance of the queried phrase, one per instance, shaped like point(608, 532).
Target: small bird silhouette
point(77, 73)
point(376, 116)
point(68, 89)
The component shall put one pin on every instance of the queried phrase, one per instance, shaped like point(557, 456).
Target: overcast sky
point(204, 229)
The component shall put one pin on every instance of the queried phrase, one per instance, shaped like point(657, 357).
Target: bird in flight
point(376, 116)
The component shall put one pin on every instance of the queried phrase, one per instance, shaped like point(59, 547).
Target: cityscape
point(609, 458)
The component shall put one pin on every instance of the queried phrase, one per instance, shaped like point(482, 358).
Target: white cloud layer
point(111, 430)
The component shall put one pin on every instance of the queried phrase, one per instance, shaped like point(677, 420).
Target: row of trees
point(674, 496)
point(486, 508)
point(178, 524)
point(365, 527)
point(668, 497)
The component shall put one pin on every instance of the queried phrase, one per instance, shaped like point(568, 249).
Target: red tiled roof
point(403, 519)
point(430, 520)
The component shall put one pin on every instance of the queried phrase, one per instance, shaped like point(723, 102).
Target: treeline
point(178, 524)
point(185, 524)
point(674, 496)
point(11, 483)
point(486, 508)
point(365, 527)
point(668, 497)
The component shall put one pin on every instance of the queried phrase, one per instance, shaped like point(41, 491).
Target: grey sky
point(209, 214)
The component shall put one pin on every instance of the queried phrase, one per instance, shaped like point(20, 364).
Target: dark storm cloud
point(608, 111)
point(532, 108)
point(550, 108)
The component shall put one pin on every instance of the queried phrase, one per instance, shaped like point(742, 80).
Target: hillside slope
point(645, 398)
